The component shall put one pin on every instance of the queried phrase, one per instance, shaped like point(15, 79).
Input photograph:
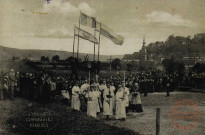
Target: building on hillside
point(144, 51)
point(189, 62)
point(195, 59)
point(128, 57)
point(145, 56)
point(200, 38)
point(141, 60)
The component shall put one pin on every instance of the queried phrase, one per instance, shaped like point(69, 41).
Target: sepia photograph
point(102, 67)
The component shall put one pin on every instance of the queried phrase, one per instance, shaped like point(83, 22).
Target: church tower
point(144, 49)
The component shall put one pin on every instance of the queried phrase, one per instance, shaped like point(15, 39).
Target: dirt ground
point(72, 122)
point(145, 123)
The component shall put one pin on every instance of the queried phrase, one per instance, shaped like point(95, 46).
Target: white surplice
point(108, 102)
point(120, 104)
point(75, 103)
point(91, 104)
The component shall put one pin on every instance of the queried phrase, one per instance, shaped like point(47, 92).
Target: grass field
point(73, 122)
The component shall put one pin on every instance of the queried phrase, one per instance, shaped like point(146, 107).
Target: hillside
point(175, 46)
point(6, 54)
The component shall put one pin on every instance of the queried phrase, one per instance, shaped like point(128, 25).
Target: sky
point(36, 24)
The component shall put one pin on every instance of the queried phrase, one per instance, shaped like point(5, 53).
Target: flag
point(108, 33)
point(85, 35)
point(87, 20)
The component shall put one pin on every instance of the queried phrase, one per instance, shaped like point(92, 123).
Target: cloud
point(64, 8)
point(65, 15)
point(56, 33)
point(84, 7)
point(173, 20)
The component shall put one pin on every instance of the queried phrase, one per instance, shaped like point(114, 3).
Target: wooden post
point(94, 48)
point(89, 66)
point(89, 76)
point(110, 62)
point(78, 37)
point(124, 85)
point(124, 77)
point(157, 121)
point(99, 44)
point(94, 53)
point(74, 42)
point(89, 83)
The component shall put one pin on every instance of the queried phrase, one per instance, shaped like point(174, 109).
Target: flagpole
point(99, 44)
point(124, 76)
point(74, 42)
point(94, 48)
point(78, 37)
point(124, 86)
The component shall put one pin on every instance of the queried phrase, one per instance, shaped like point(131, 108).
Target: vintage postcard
point(102, 67)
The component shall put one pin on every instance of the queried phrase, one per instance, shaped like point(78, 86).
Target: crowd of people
point(106, 98)
point(113, 95)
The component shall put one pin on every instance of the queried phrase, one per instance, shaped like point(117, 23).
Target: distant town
point(176, 50)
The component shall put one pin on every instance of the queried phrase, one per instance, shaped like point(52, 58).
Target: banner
point(87, 20)
point(85, 35)
point(108, 33)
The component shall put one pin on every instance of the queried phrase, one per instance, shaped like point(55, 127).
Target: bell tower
point(144, 49)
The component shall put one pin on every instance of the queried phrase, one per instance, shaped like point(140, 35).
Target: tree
point(168, 65)
point(179, 67)
point(14, 58)
point(73, 59)
point(70, 59)
point(47, 59)
point(116, 64)
point(129, 67)
point(55, 58)
point(171, 66)
point(43, 59)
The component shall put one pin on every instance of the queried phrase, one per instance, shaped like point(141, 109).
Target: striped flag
point(87, 20)
point(108, 33)
point(85, 35)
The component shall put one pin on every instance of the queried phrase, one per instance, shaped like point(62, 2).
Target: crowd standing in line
point(109, 95)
